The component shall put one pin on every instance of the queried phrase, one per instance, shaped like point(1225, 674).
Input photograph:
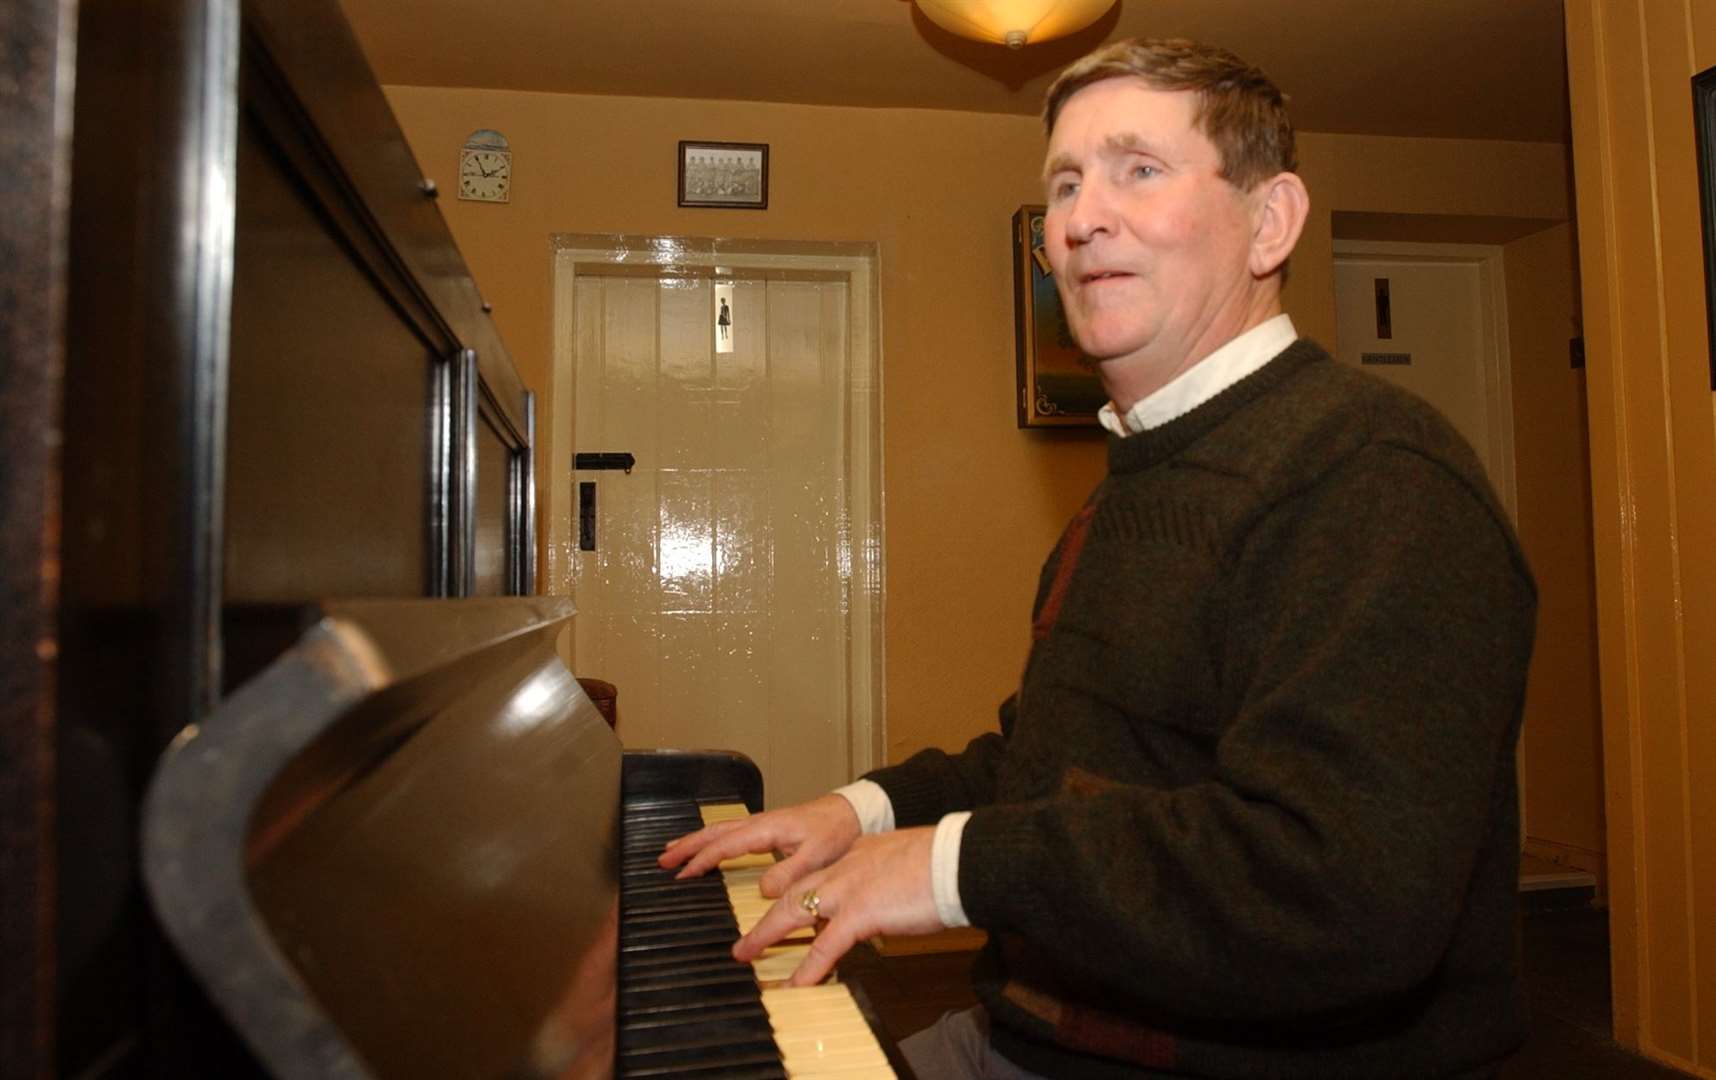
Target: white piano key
point(819, 1030)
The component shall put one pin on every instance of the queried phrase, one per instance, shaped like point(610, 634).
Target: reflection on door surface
point(716, 599)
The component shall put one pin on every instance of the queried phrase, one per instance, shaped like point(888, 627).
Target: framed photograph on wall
point(1057, 383)
point(1704, 127)
point(726, 174)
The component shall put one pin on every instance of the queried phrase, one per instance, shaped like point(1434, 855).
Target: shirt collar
point(1204, 379)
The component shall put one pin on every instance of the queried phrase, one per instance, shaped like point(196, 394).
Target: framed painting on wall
point(728, 174)
point(1704, 125)
point(1057, 383)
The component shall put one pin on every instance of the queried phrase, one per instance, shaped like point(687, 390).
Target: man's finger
point(831, 943)
point(787, 915)
point(684, 847)
point(781, 876)
point(746, 839)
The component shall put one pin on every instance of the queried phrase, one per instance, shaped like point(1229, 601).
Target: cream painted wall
point(971, 503)
point(1653, 485)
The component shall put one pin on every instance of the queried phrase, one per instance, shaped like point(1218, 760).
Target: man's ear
point(1281, 205)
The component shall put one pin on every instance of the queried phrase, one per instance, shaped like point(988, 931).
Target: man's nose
point(1089, 215)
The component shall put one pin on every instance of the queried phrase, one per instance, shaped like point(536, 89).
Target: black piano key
point(660, 881)
point(657, 1003)
point(686, 1007)
point(656, 885)
point(639, 1000)
point(658, 811)
point(641, 964)
point(649, 976)
point(648, 947)
point(654, 873)
point(669, 906)
point(715, 1070)
point(635, 941)
point(634, 860)
point(716, 1052)
point(672, 980)
point(653, 820)
point(654, 895)
point(719, 922)
point(640, 1046)
point(662, 829)
point(643, 920)
point(654, 842)
point(642, 1025)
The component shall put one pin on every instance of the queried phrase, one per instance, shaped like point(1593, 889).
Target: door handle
point(587, 515)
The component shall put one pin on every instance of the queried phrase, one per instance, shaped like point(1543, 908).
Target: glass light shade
point(1014, 22)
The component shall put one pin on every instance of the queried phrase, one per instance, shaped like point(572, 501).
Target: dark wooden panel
point(34, 142)
point(491, 572)
point(328, 475)
point(318, 54)
point(146, 331)
point(328, 480)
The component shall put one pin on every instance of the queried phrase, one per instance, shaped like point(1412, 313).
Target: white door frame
point(861, 548)
point(1498, 371)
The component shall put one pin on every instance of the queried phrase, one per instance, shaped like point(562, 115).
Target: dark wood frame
point(35, 135)
point(329, 147)
point(168, 95)
point(1053, 388)
point(1704, 125)
point(687, 146)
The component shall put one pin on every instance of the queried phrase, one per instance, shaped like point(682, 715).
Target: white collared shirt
point(1191, 388)
point(1204, 379)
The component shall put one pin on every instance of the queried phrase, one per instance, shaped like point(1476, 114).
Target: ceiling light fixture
point(1013, 23)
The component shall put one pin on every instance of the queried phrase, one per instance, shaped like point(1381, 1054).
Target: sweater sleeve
point(1377, 629)
point(932, 783)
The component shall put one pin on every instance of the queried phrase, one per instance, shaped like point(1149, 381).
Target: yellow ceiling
point(1487, 69)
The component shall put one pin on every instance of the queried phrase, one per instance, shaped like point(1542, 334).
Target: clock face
point(485, 175)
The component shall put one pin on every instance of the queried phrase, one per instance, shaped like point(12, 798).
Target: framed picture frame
point(1057, 385)
point(731, 175)
point(1704, 126)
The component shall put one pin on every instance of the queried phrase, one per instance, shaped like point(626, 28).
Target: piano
point(412, 847)
point(295, 640)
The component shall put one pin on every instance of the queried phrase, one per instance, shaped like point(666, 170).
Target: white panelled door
point(1445, 338)
point(716, 598)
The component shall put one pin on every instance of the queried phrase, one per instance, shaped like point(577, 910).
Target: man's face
point(1149, 244)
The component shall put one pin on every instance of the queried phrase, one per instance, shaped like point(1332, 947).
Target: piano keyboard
point(686, 1007)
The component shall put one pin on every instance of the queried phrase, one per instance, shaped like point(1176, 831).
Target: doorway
point(1431, 318)
point(729, 583)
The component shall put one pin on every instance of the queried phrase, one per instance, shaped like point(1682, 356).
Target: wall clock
point(485, 167)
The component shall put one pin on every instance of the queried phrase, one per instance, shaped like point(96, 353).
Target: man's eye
point(1144, 172)
point(1063, 189)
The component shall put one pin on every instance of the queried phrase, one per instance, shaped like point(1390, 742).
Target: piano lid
point(392, 852)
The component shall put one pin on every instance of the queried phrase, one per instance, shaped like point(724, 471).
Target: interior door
point(1427, 324)
point(714, 594)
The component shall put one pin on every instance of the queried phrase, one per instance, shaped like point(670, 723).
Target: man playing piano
point(1252, 810)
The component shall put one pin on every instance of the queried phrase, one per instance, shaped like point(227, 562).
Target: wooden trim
point(958, 939)
point(1581, 859)
point(1653, 475)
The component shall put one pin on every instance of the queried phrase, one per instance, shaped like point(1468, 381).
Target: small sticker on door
point(726, 325)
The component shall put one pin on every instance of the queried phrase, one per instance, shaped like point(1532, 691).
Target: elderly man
point(1252, 810)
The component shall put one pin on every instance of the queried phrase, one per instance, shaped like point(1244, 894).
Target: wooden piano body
point(395, 851)
point(297, 566)
point(412, 847)
point(281, 386)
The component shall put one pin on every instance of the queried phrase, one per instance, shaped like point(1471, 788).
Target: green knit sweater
point(1253, 810)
